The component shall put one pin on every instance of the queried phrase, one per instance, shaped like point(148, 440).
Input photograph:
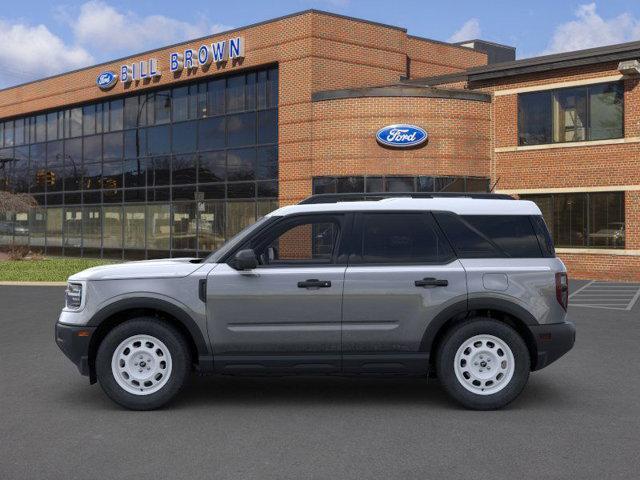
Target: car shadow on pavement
point(367, 391)
point(221, 391)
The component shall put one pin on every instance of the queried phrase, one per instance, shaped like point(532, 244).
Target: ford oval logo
point(401, 136)
point(106, 80)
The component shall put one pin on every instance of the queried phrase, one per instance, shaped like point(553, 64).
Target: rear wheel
point(483, 364)
point(142, 363)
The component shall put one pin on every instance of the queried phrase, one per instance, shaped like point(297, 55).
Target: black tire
point(180, 360)
point(446, 369)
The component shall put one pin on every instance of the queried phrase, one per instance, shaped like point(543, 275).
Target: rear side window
point(544, 237)
point(402, 238)
point(491, 236)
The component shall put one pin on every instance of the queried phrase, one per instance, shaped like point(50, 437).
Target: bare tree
point(16, 202)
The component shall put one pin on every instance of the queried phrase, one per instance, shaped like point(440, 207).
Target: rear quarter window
point(491, 236)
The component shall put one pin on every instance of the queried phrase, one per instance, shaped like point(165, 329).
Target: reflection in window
point(73, 227)
point(377, 184)
point(240, 214)
point(594, 220)
point(241, 164)
point(211, 133)
point(211, 226)
point(184, 137)
point(184, 169)
point(134, 226)
point(184, 226)
point(158, 140)
point(112, 235)
point(37, 226)
point(158, 227)
point(175, 145)
point(241, 129)
point(312, 241)
point(92, 227)
point(593, 112)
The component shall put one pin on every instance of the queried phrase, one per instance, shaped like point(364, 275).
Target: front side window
point(402, 238)
point(304, 241)
point(593, 112)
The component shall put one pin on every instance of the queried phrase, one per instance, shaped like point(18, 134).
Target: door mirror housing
point(245, 260)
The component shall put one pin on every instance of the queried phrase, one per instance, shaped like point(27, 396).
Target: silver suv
point(463, 288)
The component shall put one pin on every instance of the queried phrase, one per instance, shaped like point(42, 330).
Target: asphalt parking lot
point(579, 418)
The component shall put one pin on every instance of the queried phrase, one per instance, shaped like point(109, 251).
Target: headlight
point(73, 296)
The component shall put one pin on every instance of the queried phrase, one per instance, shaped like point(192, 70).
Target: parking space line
point(634, 300)
point(582, 288)
point(611, 296)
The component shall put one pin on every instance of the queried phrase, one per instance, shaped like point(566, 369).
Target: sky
point(39, 38)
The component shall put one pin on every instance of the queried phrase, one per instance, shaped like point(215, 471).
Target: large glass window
point(593, 112)
point(184, 226)
point(375, 184)
point(584, 220)
point(147, 174)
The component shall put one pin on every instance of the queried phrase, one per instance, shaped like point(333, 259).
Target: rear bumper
point(552, 342)
point(74, 343)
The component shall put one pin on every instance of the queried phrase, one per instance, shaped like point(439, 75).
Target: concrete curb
point(34, 284)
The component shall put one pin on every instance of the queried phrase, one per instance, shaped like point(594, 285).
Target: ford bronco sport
point(464, 288)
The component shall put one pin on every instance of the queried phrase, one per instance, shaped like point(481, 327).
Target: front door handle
point(314, 283)
point(431, 282)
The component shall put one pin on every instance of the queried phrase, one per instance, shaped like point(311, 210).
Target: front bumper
point(74, 342)
point(552, 342)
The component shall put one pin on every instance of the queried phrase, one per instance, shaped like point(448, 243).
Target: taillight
point(562, 289)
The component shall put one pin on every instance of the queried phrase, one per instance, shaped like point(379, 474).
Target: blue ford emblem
point(106, 80)
point(401, 136)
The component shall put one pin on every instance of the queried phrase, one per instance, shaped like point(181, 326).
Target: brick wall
point(430, 58)
point(614, 164)
point(344, 137)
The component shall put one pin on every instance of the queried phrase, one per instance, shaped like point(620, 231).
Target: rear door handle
point(431, 282)
point(314, 283)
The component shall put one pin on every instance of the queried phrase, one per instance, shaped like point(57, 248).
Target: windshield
point(238, 238)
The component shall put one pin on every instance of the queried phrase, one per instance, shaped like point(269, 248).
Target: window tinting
point(467, 241)
point(402, 238)
point(513, 234)
point(592, 112)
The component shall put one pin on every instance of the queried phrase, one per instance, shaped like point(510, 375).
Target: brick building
point(171, 151)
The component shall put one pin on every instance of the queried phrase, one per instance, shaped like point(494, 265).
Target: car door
point(286, 313)
point(402, 274)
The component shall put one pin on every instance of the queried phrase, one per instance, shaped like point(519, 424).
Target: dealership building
point(170, 152)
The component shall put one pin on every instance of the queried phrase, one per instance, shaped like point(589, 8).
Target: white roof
point(459, 205)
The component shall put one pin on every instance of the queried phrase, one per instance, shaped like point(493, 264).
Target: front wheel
point(142, 363)
point(483, 364)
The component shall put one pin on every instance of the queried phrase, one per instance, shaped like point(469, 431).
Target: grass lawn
point(51, 269)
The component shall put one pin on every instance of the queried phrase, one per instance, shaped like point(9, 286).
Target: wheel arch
point(122, 310)
point(505, 311)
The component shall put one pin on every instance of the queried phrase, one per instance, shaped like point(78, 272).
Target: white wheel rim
point(484, 364)
point(141, 364)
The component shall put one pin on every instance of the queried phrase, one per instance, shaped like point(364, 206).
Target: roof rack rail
point(355, 197)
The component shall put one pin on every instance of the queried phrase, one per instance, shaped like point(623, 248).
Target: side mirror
point(245, 260)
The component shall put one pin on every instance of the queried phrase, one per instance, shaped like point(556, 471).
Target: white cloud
point(591, 30)
point(98, 32)
point(28, 52)
point(104, 29)
point(469, 31)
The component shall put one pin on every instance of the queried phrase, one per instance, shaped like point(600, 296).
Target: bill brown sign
point(189, 59)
